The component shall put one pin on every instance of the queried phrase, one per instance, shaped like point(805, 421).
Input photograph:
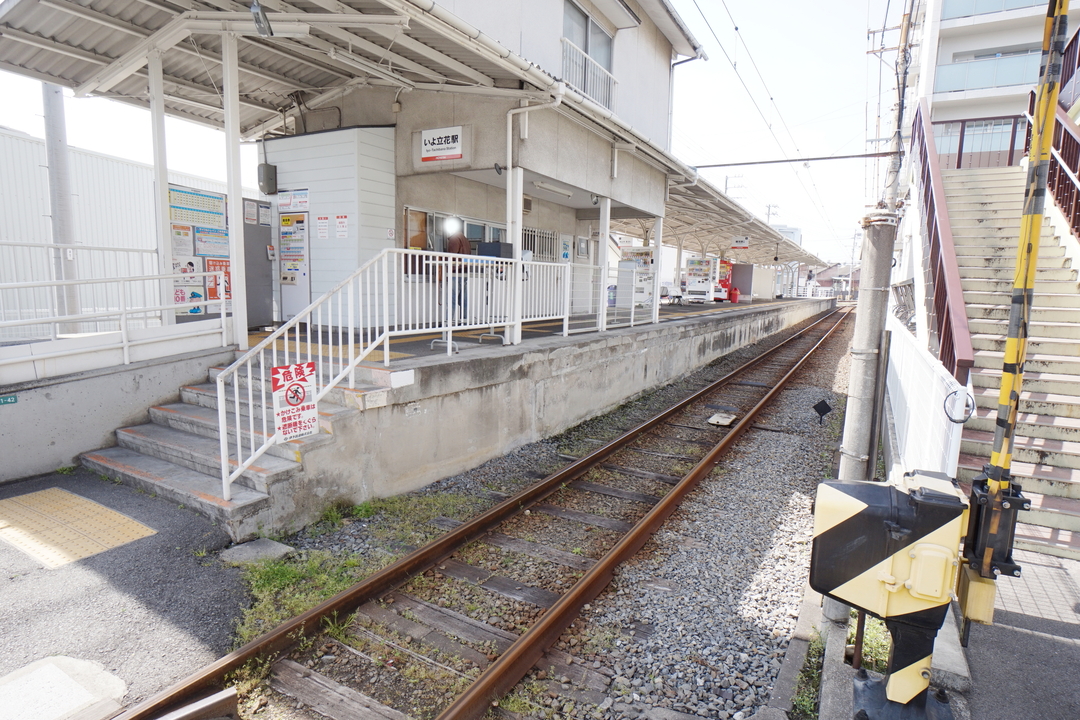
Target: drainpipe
point(514, 181)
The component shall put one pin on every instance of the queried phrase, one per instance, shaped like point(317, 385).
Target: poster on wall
point(198, 229)
point(293, 200)
point(185, 266)
point(182, 294)
point(182, 240)
point(341, 226)
point(322, 227)
point(211, 242)
point(251, 212)
point(213, 292)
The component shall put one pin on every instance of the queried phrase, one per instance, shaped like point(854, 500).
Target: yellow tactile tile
point(56, 527)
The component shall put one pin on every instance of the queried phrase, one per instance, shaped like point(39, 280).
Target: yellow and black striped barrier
point(893, 551)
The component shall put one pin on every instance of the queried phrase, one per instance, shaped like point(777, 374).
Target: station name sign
point(440, 144)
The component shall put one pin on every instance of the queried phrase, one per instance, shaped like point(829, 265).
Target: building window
point(587, 55)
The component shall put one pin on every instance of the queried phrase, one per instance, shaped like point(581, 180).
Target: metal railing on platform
point(980, 142)
point(949, 311)
point(112, 321)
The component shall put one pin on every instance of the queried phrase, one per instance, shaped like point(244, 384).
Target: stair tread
point(200, 486)
point(1027, 395)
point(1031, 338)
point(326, 408)
point(1022, 470)
point(208, 449)
point(1050, 537)
point(1025, 442)
point(208, 417)
point(1039, 357)
point(1055, 421)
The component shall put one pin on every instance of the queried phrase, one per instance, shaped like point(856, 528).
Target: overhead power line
point(797, 160)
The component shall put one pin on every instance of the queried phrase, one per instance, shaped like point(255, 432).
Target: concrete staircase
point(177, 455)
point(985, 206)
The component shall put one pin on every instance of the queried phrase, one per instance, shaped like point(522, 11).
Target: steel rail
point(512, 665)
point(206, 680)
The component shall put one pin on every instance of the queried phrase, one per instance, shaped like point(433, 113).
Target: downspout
point(513, 201)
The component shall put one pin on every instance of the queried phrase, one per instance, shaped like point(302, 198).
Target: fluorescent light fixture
point(262, 23)
point(540, 185)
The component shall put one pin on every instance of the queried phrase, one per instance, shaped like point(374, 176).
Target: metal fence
point(587, 75)
point(928, 404)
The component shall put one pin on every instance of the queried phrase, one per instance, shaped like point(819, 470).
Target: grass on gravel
point(876, 642)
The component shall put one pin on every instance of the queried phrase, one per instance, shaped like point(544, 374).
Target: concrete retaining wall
point(466, 409)
point(53, 420)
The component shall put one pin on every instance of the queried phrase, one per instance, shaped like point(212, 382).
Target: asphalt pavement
point(150, 612)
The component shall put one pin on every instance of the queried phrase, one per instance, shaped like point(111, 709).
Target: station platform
point(415, 346)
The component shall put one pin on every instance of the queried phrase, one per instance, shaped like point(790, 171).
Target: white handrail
point(397, 293)
point(119, 311)
point(588, 76)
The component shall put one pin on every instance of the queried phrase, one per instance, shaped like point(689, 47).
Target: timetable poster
point(199, 228)
point(211, 242)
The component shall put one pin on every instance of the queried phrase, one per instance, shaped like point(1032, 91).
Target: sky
point(799, 83)
point(810, 90)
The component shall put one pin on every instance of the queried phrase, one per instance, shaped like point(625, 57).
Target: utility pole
point(769, 212)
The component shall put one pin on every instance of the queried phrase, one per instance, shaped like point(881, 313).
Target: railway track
point(452, 626)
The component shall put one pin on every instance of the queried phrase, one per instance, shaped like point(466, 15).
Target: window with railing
point(991, 72)
point(587, 51)
point(980, 142)
point(966, 8)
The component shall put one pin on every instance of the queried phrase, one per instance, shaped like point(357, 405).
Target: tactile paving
point(56, 527)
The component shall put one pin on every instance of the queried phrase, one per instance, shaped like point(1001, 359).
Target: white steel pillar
point(602, 258)
point(231, 98)
point(60, 211)
point(515, 181)
point(161, 181)
point(657, 243)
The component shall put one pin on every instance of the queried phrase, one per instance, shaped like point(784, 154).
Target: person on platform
point(459, 281)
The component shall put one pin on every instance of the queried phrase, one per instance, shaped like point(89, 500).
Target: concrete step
point(1034, 399)
point(990, 191)
point(200, 420)
point(373, 384)
point(1051, 427)
point(1041, 479)
point(1067, 302)
point(1042, 274)
point(1042, 286)
point(987, 310)
point(994, 223)
point(983, 172)
point(205, 395)
point(202, 454)
point(1069, 331)
point(1057, 364)
point(1008, 263)
point(178, 484)
point(1048, 541)
point(1001, 237)
point(1034, 450)
point(984, 212)
point(1035, 345)
point(983, 248)
point(1051, 512)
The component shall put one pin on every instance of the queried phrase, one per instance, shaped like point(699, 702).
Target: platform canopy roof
point(323, 48)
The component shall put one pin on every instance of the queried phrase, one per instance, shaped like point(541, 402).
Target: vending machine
point(722, 281)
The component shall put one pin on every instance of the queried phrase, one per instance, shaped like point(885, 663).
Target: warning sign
point(295, 414)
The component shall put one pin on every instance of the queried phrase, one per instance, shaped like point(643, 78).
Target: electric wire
point(816, 204)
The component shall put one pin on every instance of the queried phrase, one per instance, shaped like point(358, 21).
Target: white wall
point(347, 172)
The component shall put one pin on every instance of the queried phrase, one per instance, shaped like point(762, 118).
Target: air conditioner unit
point(526, 205)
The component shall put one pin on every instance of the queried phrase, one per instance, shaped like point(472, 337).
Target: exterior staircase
point(985, 206)
point(177, 455)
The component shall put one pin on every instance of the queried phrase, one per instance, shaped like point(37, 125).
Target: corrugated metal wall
point(114, 207)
